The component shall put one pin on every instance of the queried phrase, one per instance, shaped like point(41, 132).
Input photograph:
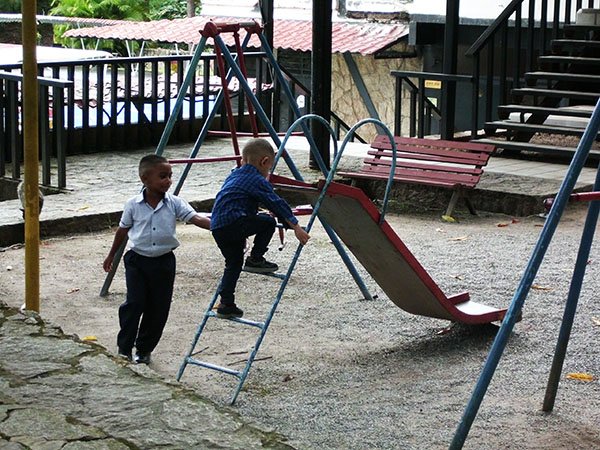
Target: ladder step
point(227, 370)
point(241, 320)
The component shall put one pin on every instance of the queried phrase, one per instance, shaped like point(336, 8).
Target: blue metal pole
point(587, 238)
point(257, 106)
point(524, 286)
point(206, 126)
point(330, 232)
point(189, 76)
point(292, 101)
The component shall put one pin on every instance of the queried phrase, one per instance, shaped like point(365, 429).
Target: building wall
point(346, 101)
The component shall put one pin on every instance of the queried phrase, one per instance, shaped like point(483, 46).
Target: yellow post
point(30, 145)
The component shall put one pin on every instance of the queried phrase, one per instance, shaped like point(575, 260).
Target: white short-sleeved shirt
point(152, 231)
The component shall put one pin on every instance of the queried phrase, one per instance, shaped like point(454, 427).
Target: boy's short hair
point(149, 161)
point(256, 149)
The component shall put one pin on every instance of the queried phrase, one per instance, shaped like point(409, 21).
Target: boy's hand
point(201, 221)
point(301, 234)
point(108, 262)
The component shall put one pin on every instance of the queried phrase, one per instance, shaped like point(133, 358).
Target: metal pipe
point(31, 143)
point(524, 286)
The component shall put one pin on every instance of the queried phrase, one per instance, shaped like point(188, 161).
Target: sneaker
point(142, 358)
point(229, 311)
point(259, 265)
point(125, 354)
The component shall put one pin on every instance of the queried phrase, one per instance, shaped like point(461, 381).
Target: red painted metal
point(458, 307)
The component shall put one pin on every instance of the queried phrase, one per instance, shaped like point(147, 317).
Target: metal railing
point(510, 46)
point(52, 133)
point(422, 111)
point(501, 56)
point(111, 104)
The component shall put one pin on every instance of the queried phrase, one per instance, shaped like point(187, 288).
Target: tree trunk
point(191, 8)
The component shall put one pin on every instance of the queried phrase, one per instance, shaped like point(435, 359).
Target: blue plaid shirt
point(242, 192)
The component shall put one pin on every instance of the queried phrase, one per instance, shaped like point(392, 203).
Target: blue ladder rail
point(263, 326)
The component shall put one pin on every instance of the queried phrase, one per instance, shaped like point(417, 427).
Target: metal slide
point(354, 217)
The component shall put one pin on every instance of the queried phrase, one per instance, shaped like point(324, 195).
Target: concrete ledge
point(496, 193)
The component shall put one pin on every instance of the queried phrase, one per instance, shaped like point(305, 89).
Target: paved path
point(58, 392)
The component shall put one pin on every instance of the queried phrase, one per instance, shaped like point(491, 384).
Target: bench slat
point(442, 178)
point(387, 163)
point(446, 156)
point(405, 179)
point(383, 142)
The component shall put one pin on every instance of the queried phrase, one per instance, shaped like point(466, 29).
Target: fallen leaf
point(539, 225)
point(72, 290)
point(537, 287)
point(502, 225)
point(596, 321)
point(89, 338)
point(515, 221)
point(450, 219)
point(84, 207)
point(581, 376)
point(459, 238)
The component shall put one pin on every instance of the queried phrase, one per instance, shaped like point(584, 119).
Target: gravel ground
point(339, 372)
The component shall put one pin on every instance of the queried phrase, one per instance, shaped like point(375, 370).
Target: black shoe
point(125, 354)
point(229, 311)
point(142, 358)
point(259, 265)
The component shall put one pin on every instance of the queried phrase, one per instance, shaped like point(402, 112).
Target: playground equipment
point(236, 67)
point(353, 216)
point(514, 310)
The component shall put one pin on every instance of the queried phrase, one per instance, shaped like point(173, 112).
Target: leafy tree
point(172, 9)
point(104, 9)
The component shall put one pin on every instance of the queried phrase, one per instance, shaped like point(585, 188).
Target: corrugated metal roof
point(354, 37)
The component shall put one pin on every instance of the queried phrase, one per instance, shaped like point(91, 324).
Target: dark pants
point(149, 293)
point(231, 241)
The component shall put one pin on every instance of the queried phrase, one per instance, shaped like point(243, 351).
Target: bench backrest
point(428, 161)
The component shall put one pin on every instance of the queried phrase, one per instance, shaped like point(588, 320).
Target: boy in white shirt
point(149, 221)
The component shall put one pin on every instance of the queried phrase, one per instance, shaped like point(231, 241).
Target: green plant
point(105, 9)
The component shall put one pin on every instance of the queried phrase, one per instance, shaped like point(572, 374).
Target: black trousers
point(149, 292)
point(231, 241)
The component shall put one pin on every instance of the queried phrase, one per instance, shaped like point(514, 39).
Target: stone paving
point(59, 392)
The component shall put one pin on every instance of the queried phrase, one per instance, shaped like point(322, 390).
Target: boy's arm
point(200, 221)
point(120, 237)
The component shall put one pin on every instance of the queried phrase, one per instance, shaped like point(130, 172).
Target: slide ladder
point(192, 357)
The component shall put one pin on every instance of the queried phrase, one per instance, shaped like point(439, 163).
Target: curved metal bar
point(392, 168)
point(300, 122)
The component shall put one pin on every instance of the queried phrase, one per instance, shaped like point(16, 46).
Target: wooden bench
point(455, 165)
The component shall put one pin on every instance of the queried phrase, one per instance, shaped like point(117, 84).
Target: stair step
point(576, 44)
point(578, 60)
point(569, 112)
point(528, 146)
point(576, 77)
point(535, 128)
point(556, 93)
